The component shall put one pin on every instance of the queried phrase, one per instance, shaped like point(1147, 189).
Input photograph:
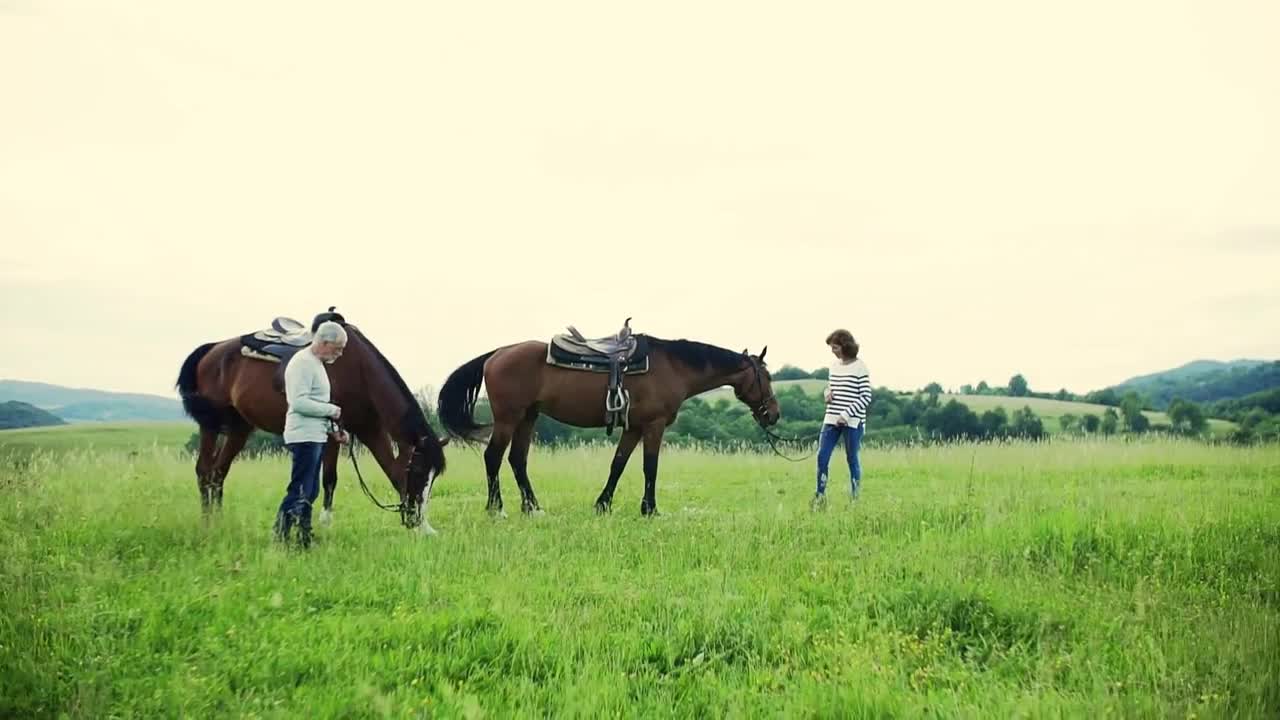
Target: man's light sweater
point(306, 386)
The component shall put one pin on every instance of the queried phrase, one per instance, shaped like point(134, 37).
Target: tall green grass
point(1139, 579)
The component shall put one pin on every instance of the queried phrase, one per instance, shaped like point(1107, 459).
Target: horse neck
point(708, 378)
point(389, 404)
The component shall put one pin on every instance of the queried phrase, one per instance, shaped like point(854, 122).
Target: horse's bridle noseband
point(761, 410)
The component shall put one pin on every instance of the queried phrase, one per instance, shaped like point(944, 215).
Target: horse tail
point(197, 407)
point(457, 403)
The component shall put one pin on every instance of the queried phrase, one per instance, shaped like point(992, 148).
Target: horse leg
point(519, 459)
point(231, 447)
point(204, 466)
point(630, 438)
point(502, 433)
point(330, 474)
point(652, 445)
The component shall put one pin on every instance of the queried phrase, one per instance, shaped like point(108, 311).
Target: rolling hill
point(87, 405)
point(14, 414)
point(1204, 381)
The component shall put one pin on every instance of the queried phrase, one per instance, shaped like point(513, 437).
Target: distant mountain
point(1192, 369)
point(87, 405)
point(1205, 381)
point(14, 414)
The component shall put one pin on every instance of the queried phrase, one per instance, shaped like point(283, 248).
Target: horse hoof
point(426, 529)
point(534, 512)
point(326, 517)
point(498, 513)
point(649, 511)
point(604, 508)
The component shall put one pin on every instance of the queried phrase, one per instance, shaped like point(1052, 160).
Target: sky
point(1078, 192)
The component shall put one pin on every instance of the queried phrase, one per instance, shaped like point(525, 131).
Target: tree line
point(906, 417)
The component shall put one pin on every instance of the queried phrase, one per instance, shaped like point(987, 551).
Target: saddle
point(284, 338)
point(619, 355)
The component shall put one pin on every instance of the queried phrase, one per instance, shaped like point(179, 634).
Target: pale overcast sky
point(1080, 191)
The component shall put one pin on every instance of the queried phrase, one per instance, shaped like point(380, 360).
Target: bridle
point(404, 507)
point(761, 410)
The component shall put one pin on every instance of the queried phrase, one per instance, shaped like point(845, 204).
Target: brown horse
point(521, 384)
point(227, 393)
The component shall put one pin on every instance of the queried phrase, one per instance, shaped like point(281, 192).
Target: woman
point(848, 395)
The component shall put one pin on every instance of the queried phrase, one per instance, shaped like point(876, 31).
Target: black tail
point(197, 407)
point(457, 402)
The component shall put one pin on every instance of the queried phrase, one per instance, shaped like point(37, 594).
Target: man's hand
point(342, 437)
point(840, 421)
point(826, 394)
point(337, 412)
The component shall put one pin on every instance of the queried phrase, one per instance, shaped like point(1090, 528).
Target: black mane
point(699, 355)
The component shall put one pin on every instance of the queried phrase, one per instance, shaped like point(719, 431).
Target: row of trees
point(1257, 416)
point(892, 417)
point(791, 372)
point(1185, 417)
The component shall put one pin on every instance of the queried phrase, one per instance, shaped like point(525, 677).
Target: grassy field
point(1075, 579)
point(97, 436)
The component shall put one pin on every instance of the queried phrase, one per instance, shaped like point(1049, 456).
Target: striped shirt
point(850, 388)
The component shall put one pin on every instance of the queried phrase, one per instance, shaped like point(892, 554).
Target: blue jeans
point(304, 486)
point(831, 435)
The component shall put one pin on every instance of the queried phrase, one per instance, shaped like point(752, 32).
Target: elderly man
point(306, 426)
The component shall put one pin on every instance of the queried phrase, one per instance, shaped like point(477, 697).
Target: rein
point(773, 443)
point(351, 450)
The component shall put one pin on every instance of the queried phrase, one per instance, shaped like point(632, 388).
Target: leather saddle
point(619, 355)
point(574, 352)
point(285, 337)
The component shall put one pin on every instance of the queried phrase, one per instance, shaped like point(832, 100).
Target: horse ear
point(744, 351)
point(762, 352)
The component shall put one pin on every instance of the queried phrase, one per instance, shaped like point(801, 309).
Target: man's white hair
point(331, 332)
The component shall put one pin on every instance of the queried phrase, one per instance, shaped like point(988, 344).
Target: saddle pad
point(249, 352)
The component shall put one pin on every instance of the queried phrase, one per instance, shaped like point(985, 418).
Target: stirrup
point(615, 401)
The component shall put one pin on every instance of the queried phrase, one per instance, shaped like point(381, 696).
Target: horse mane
point(699, 355)
point(413, 423)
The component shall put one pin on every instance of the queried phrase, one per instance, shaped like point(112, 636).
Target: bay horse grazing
point(521, 384)
point(229, 394)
